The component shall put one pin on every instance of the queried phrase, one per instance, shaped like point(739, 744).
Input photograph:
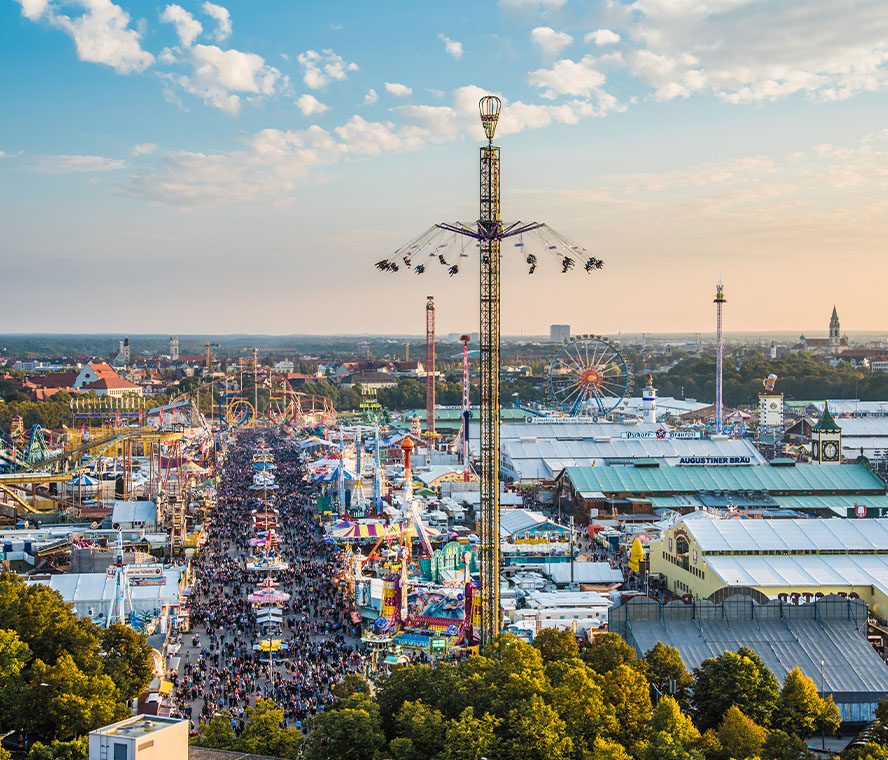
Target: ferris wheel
point(589, 376)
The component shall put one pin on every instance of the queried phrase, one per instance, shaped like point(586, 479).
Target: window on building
point(121, 751)
point(682, 550)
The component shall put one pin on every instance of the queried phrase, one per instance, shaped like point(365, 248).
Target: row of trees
point(62, 676)
point(550, 701)
point(800, 376)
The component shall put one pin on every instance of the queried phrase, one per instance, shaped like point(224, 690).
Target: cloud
point(322, 68)
point(33, 9)
point(398, 89)
point(2, 154)
point(144, 149)
point(567, 77)
point(217, 76)
point(531, 5)
point(75, 164)
point(274, 163)
point(370, 97)
point(744, 51)
point(187, 27)
point(452, 47)
point(222, 18)
point(550, 41)
point(310, 105)
point(602, 37)
point(101, 34)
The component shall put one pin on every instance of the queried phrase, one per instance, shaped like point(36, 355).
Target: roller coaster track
point(97, 447)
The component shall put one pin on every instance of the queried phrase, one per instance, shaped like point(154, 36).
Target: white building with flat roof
point(142, 737)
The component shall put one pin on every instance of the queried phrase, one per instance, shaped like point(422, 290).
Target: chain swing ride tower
point(440, 242)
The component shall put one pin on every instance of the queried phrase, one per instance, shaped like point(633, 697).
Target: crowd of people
point(221, 674)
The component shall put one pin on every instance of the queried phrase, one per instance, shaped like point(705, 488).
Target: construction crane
point(442, 242)
point(430, 373)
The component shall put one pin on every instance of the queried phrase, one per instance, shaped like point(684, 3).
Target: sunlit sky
point(240, 166)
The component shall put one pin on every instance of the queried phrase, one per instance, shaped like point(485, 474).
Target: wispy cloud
point(75, 164)
point(453, 48)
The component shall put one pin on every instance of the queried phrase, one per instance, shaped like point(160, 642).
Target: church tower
point(834, 332)
point(826, 439)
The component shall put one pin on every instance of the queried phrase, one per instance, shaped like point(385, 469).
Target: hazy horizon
point(240, 169)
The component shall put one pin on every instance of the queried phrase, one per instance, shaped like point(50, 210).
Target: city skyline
point(264, 157)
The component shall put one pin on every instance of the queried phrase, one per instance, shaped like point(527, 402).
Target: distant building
point(834, 344)
point(102, 379)
point(559, 333)
point(174, 348)
point(123, 352)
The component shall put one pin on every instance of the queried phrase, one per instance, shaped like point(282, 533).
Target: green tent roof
point(664, 481)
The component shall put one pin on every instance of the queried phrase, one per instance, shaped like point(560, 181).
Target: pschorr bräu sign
point(661, 434)
point(715, 460)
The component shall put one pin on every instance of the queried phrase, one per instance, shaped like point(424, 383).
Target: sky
point(239, 167)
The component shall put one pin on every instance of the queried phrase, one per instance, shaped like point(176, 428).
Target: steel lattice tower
point(488, 233)
point(430, 372)
point(490, 225)
point(719, 354)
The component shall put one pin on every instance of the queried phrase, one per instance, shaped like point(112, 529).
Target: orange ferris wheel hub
point(590, 376)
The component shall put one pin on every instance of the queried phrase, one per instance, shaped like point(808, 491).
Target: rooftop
point(800, 479)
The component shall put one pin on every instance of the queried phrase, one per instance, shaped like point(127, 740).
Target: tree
point(604, 749)
point(672, 734)
point(127, 660)
point(62, 702)
point(780, 745)
point(609, 651)
point(424, 727)
point(628, 692)
point(667, 672)
point(739, 736)
point(555, 645)
point(217, 734)
point(433, 686)
point(867, 752)
point(264, 734)
point(734, 678)
point(470, 738)
point(535, 732)
point(76, 749)
point(577, 697)
point(14, 655)
point(348, 733)
point(351, 684)
point(800, 710)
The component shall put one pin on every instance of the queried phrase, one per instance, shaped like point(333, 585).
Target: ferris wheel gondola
point(589, 376)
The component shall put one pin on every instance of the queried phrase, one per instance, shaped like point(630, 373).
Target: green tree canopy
point(349, 733)
point(555, 645)
point(739, 736)
point(609, 651)
point(470, 738)
point(800, 711)
point(263, 733)
point(667, 672)
point(127, 660)
point(733, 679)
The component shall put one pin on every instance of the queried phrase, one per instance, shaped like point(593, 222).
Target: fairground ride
point(446, 244)
point(261, 398)
point(589, 377)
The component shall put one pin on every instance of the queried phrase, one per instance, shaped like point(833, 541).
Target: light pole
point(822, 726)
